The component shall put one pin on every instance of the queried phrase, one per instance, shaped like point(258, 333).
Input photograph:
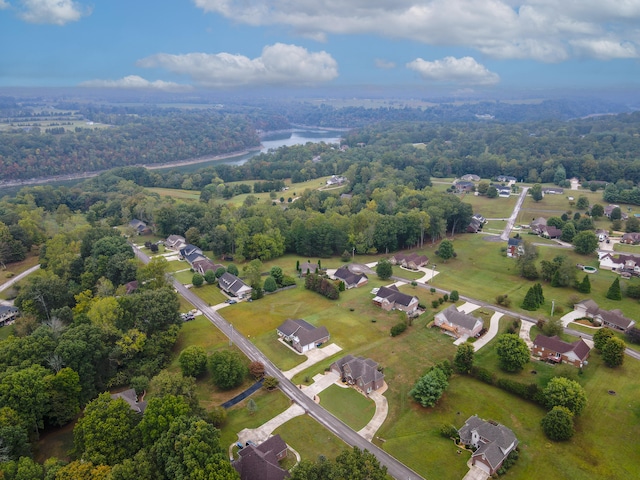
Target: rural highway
point(395, 468)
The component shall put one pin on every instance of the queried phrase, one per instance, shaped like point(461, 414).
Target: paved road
point(17, 278)
point(514, 214)
point(395, 468)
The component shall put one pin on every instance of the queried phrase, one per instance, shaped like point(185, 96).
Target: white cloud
point(56, 12)
point(544, 30)
point(462, 71)
point(279, 64)
point(384, 64)
point(605, 48)
point(136, 82)
point(4, 5)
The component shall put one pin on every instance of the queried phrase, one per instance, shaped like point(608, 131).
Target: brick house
point(458, 323)
point(359, 372)
point(556, 350)
point(302, 335)
point(390, 298)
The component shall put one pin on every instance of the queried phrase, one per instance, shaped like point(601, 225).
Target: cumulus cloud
point(279, 64)
point(605, 49)
point(384, 64)
point(544, 30)
point(136, 82)
point(462, 71)
point(56, 12)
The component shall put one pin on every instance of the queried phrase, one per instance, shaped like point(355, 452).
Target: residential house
point(623, 262)
point(140, 227)
point(503, 191)
point(609, 209)
point(234, 286)
point(390, 298)
point(607, 318)
point(474, 226)
point(514, 247)
point(493, 443)
point(549, 231)
point(462, 186)
point(470, 177)
point(537, 225)
point(261, 462)
point(302, 335)
point(556, 350)
point(350, 279)
point(409, 260)
point(359, 372)
point(307, 267)
point(175, 242)
point(506, 178)
point(553, 190)
point(632, 238)
point(131, 397)
point(203, 265)
point(8, 315)
point(191, 254)
point(457, 323)
point(336, 180)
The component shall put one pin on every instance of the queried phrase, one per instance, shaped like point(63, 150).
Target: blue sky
point(451, 45)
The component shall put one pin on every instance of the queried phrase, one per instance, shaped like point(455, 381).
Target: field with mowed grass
point(349, 405)
point(491, 207)
point(310, 439)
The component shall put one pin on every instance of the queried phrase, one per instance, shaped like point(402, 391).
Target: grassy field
point(310, 439)
point(348, 405)
point(17, 268)
point(491, 207)
point(176, 193)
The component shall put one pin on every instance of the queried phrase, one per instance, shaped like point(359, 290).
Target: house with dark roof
point(493, 443)
point(302, 335)
point(537, 224)
point(191, 254)
point(131, 398)
point(140, 227)
point(608, 210)
point(350, 279)
point(458, 323)
point(8, 314)
point(607, 318)
point(261, 462)
point(203, 265)
point(390, 298)
point(409, 260)
point(462, 186)
point(175, 242)
point(234, 286)
point(504, 191)
point(131, 287)
point(632, 238)
point(556, 350)
point(360, 372)
point(514, 247)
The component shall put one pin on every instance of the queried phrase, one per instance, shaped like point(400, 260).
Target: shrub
point(398, 328)
point(422, 306)
point(483, 375)
point(441, 300)
point(558, 424)
point(435, 303)
point(445, 297)
point(448, 430)
point(432, 290)
point(455, 296)
point(197, 280)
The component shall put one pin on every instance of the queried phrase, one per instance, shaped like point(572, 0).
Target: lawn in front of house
point(491, 207)
point(349, 405)
point(310, 439)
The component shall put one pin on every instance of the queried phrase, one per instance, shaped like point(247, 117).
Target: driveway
point(313, 356)
point(264, 431)
point(18, 277)
point(382, 409)
point(475, 473)
point(468, 307)
point(493, 330)
point(570, 317)
point(429, 273)
point(525, 333)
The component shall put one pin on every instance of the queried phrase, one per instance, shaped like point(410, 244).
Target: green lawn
point(210, 294)
point(491, 207)
point(348, 405)
point(17, 268)
point(310, 439)
point(176, 193)
point(185, 277)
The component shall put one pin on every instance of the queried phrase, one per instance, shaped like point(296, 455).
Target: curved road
point(395, 468)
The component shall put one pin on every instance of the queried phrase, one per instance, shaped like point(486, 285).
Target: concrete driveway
point(313, 356)
point(525, 333)
point(382, 409)
point(570, 317)
point(468, 307)
point(493, 330)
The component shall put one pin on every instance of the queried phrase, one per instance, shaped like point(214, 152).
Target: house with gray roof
point(261, 462)
point(234, 286)
point(203, 265)
point(302, 335)
point(457, 323)
point(8, 314)
point(554, 349)
point(360, 372)
point(350, 279)
point(140, 227)
point(131, 397)
point(175, 242)
point(390, 298)
point(191, 254)
point(607, 318)
point(409, 260)
point(493, 441)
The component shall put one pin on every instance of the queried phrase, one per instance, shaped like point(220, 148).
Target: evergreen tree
point(555, 280)
point(614, 292)
point(538, 287)
point(585, 285)
point(530, 301)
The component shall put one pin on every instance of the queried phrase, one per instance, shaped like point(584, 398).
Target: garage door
point(482, 466)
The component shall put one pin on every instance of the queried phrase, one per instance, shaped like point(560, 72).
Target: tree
point(614, 292)
point(560, 176)
point(445, 250)
point(270, 284)
point(585, 242)
point(557, 424)
point(270, 383)
point(193, 361)
point(583, 203)
point(561, 391)
point(232, 269)
point(632, 225)
point(197, 280)
point(227, 369)
point(531, 300)
point(24, 391)
point(429, 388)
point(616, 214)
point(552, 327)
point(167, 383)
point(613, 352)
point(106, 433)
point(220, 271)
point(483, 187)
point(601, 337)
point(597, 211)
point(277, 274)
point(256, 369)
point(210, 277)
point(384, 269)
point(14, 435)
point(153, 275)
point(252, 407)
point(585, 285)
point(536, 192)
point(463, 360)
point(158, 415)
point(513, 353)
point(568, 232)
point(356, 464)
point(63, 390)
point(492, 192)
point(454, 296)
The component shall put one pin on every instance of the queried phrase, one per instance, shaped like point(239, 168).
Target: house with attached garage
point(390, 298)
point(140, 227)
point(302, 335)
point(556, 350)
point(607, 318)
point(203, 265)
point(175, 242)
point(261, 462)
point(412, 261)
point(350, 279)
point(457, 323)
point(360, 372)
point(493, 443)
point(232, 285)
